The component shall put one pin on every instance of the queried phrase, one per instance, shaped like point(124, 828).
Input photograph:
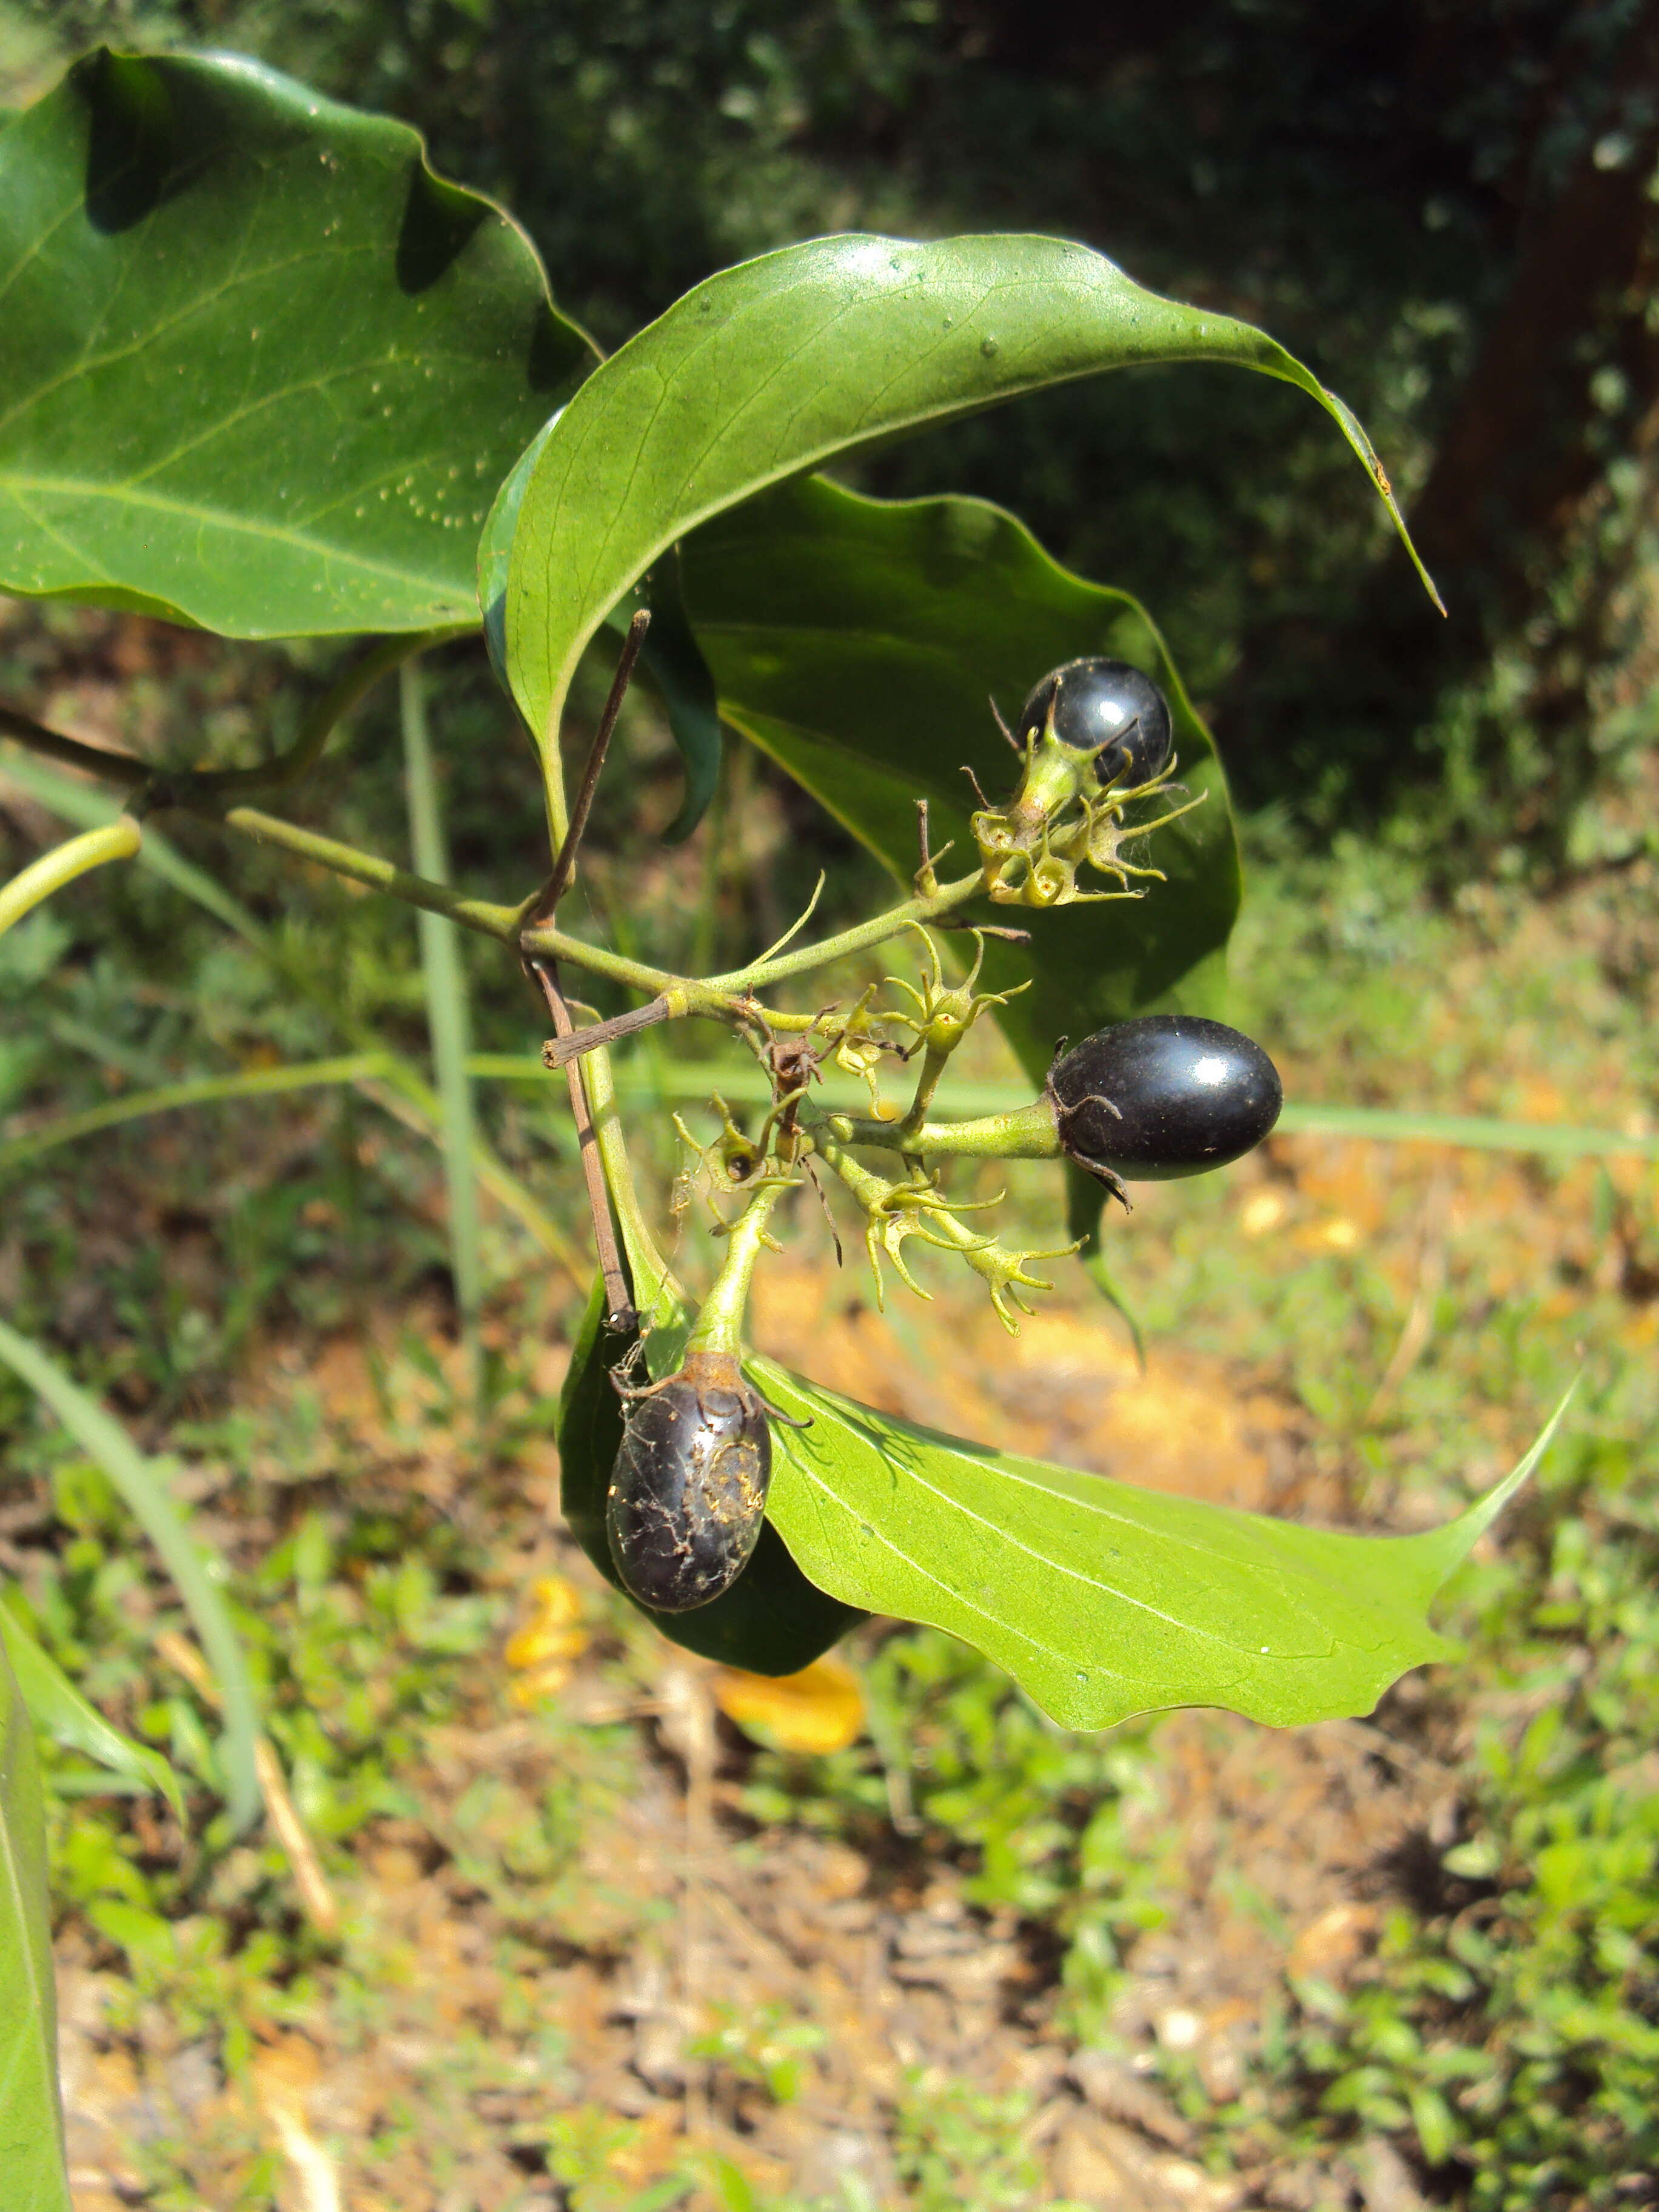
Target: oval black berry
point(1108, 709)
point(688, 1491)
point(1167, 1094)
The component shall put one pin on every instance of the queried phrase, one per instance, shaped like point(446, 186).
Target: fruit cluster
point(1144, 1100)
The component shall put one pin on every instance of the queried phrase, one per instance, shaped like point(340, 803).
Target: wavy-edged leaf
point(58, 1711)
point(772, 1620)
point(30, 2110)
point(141, 1485)
point(263, 370)
point(778, 365)
point(1102, 1600)
point(672, 657)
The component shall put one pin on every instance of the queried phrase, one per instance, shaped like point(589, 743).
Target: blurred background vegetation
point(1445, 207)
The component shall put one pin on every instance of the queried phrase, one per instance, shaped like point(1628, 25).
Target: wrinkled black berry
point(688, 1491)
point(1167, 1094)
point(1108, 709)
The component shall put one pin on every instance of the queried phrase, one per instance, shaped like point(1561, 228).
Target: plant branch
point(1027, 1133)
point(120, 768)
point(116, 840)
point(761, 975)
point(479, 914)
point(190, 788)
point(546, 903)
point(284, 769)
point(619, 1314)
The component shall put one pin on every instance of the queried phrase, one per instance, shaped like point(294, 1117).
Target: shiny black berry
point(1167, 1094)
point(1108, 709)
point(688, 1491)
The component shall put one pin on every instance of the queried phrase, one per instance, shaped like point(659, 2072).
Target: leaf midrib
point(1008, 1470)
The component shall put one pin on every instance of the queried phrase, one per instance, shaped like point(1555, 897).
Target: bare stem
point(619, 1314)
point(120, 768)
point(761, 975)
point(564, 860)
point(192, 788)
point(284, 769)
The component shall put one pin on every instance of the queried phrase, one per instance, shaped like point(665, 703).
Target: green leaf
point(261, 370)
point(31, 2113)
point(858, 641)
point(141, 1484)
point(782, 363)
point(772, 1620)
point(1103, 1600)
point(670, 657)
point(58, 1710)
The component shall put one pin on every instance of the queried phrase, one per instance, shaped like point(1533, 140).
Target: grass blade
point(379, 1078)
point(58, 1710)
point(446, 1014)
point(141, 1483)
point(31, 2107)
point(1479, 1133)
point(199, 1091)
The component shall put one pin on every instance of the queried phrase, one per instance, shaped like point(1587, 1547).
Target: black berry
point(688, 1491)
point(1108, 709)
point(1167, 1094)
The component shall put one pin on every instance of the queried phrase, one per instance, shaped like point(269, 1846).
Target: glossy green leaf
point(261, 370)
point(859, 642)
point(31, 2113)
point(672, 657)
point(58, 1711)
point(142, 1486)
point(1102, 1600)
point(772, 1620)
point(779, 364)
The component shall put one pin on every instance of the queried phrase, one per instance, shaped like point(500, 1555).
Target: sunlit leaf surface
point(1100, 1599)
point(781, 364)
point(260, 369)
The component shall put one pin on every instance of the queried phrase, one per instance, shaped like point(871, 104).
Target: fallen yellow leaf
point(543, 1651)
point(819, 1710)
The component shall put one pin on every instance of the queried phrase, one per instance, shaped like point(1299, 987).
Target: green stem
point(193, 792)
point(447, 1022)
point(1028, 1133)
point(761, 975)
point(657, 1293)
point(479, 914)
point(718, 1326)
point(934, 1065)
point(116, 840)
